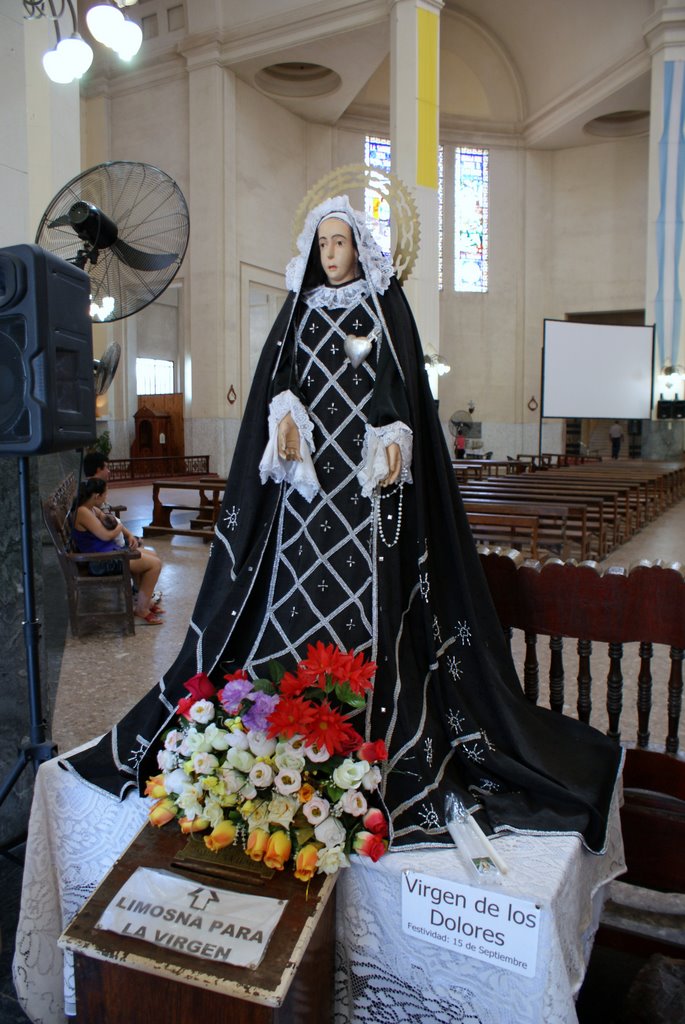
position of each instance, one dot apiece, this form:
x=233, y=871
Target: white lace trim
x=300, y=475
x=374, y=462
x=377, y=266
x=342, y=297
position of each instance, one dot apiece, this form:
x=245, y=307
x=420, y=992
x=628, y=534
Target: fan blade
x=60, y=222
x=140, y=260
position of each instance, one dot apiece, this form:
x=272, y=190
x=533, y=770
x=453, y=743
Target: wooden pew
x=209, y=492
x=645, y=907
x=512, y=528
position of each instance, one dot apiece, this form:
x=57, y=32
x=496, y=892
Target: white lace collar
x=340, y=297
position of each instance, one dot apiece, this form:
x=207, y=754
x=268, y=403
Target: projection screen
x=596, y=371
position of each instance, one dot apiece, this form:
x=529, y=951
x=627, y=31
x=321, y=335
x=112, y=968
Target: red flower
x=240, y=674
x=292, y=686
x=369, y=845
x=360, y=673
x=374, y=822
x=373, y=751
x=330, y=730
x=200, y=687
x=290, y=717
x=184, y=706
x=323, y=660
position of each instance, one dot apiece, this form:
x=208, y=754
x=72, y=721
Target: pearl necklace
x=378, y=496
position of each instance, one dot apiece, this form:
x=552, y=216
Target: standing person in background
x=460, y=444
x=615, y=436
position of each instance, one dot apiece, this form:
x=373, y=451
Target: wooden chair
x=93, y=600
x=645, y=910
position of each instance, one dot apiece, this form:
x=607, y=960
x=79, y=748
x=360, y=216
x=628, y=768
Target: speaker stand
x=37, y=748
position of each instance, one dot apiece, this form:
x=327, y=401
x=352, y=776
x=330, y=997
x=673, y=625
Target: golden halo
x=405, y=217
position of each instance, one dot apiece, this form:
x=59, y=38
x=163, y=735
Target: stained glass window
x=470, y=220
x=376, y=208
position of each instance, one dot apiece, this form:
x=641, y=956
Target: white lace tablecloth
x=385, y=976
x=76, y=832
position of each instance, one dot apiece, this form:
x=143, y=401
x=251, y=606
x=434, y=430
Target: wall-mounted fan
x=460, y=421
x=127, y=225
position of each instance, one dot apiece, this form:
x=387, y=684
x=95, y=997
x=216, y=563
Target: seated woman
x=90, y=532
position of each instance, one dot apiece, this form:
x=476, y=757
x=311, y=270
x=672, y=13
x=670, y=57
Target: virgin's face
x=337, y=251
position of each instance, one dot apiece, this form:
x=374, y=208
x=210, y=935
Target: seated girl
x=90, y=532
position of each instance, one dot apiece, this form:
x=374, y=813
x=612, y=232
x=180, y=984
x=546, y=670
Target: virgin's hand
x=289, y=440
x=394, y=457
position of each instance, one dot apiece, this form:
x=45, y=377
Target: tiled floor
x=115, y=670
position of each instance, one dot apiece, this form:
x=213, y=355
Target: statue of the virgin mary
x=342, y=523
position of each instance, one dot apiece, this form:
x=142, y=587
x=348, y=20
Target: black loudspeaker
x=679, y=409
x=47, y=380
x=664, y=409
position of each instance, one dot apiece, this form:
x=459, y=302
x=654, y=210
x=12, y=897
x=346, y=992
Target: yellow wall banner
x=428, y=28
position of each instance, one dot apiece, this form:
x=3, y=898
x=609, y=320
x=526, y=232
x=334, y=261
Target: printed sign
x=175, y=912
x=484, y=924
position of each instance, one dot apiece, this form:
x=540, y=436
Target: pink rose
x=374, y=821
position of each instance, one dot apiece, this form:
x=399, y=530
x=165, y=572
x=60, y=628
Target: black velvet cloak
x=446, y=698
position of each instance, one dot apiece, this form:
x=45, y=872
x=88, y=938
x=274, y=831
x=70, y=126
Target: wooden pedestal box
x=124, y=980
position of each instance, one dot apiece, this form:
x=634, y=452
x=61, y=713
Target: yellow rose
x=209, y=781
x=247, y=808
x=305, y=862
x=162, y=812
x=155, y=787
x=277, y=850
x=305, y=793
x=189, y=825
x=257, y=842
x=223, y=835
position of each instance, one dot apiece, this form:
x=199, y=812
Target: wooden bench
x=209, y=492
x=512, y=528
x=645, y=605
x=93, y=600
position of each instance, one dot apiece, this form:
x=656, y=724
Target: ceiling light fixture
x=72, y=56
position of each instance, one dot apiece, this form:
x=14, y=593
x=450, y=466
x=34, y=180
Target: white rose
x=166, y=760
x=372, y=779
x=316, y=809
x=237, y=739
x=189, y=802
x=350, y=773
x=261, y=774
x=330, y=832
x=259, y=744
x=194, y=742
x=330, y=859
x=204, y=763
x=202, y=712
x=288, y=781
x=315, y=755
x=240, y=759
x=213, y=811
x=248, y=791
x=232, y=780
x=176, y=781
x=174, y=739
x=259, y=817
x=353, y=802
x=215, y=737
x=282, y=809
x=289, y=760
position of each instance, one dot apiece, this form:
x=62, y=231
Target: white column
x=212, y=358
x=414, y=133
x=665, y=276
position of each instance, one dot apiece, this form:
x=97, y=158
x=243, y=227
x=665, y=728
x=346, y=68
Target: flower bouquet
x=275, y=766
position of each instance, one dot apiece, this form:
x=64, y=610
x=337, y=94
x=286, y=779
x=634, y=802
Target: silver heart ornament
x=357, y=349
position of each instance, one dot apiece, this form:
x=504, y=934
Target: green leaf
x=346, y=695
x=264, y=686
x=276, y=670
x=334, y=793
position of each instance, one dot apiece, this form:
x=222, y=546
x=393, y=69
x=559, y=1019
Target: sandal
x=156, y=609
x=148, y=620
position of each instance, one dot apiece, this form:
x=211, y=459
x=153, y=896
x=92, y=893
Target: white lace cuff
x=374, y=461
x=300, y=475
